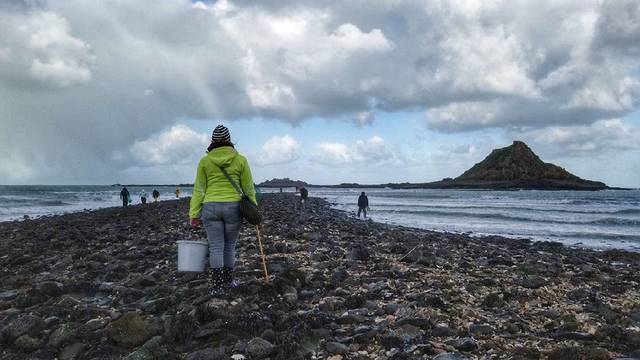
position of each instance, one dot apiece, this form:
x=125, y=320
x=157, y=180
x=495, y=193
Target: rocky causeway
x=104, y=285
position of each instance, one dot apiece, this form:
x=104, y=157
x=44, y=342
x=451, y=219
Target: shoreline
x=341, y=287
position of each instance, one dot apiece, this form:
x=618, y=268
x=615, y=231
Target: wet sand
x=103, y=284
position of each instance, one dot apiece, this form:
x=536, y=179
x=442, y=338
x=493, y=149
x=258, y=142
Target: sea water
x=599, y=219
x=596, y=219
x=36, y=201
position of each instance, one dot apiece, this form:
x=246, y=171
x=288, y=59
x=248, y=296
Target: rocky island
x=282, y=183
x=103, y=285
x=517, y=167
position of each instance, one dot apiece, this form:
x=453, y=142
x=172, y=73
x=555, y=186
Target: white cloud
x=372, y=151
x=40, y=46
x=599, y=137
x=178, y=145
x=73, y=67
x=278, y=150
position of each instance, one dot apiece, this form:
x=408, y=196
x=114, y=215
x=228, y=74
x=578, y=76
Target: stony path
x=102, y=284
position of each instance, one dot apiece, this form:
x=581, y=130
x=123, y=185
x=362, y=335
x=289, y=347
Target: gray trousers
x=222, y=221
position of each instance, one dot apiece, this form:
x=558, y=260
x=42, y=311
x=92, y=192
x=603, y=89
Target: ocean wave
x=627, y=211
x=391, y=206
x=615, y=221
x=493, y=216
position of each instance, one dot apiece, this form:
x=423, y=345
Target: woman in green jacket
x=216, y=203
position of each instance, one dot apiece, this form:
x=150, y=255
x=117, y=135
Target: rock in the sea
x=130, y=330
x=259, y=348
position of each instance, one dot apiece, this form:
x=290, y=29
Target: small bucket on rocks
x=192, y=255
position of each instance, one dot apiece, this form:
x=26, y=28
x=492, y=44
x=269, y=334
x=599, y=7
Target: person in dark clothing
x=363, y=204
x=156, y=195
x=304, y=194
x=124, y=195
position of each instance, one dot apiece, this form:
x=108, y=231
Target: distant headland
x=513, y=167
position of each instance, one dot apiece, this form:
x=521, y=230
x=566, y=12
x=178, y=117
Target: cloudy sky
x=98, y=92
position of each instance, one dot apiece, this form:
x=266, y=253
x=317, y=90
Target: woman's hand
x=195, y=223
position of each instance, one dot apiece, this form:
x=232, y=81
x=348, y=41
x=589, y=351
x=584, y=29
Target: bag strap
x=235, y=186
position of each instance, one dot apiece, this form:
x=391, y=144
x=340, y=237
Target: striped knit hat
x=221, y=135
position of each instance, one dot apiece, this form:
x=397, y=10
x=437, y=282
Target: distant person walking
x=363, y=204
x=156, y=195
x=304, y=194
x=216, y=203
x=177, y=192
x=124, y=195
x=143, y=196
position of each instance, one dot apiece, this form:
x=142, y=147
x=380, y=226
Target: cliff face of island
x=517, y=166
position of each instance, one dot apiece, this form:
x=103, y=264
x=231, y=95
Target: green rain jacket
x=212, y=186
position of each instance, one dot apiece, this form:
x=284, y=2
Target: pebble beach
x=104, y=284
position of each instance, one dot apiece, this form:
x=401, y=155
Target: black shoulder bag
x=248, y=209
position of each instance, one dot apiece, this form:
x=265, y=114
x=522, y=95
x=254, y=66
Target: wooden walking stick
x=264, y=259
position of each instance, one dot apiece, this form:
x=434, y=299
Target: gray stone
x=130, y=330
x=336, y=348
x=51, y=288
x=259, y=348
x=151, y=350
x=25, y=324
x=72, y=352
x=442, y=330
x=27, y=344
x=404, y=335
x=63, y=335
x=481, y=329
x=219, y=353
x=8, y=295
x=290, y=295
x=449, y=356
x=533, y=282
x=95, y=324
x=464, y=344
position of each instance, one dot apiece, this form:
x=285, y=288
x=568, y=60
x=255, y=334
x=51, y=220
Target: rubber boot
x=216, y=282
x=228, y=278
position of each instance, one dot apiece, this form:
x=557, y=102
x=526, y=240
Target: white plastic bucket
x=192, y=255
